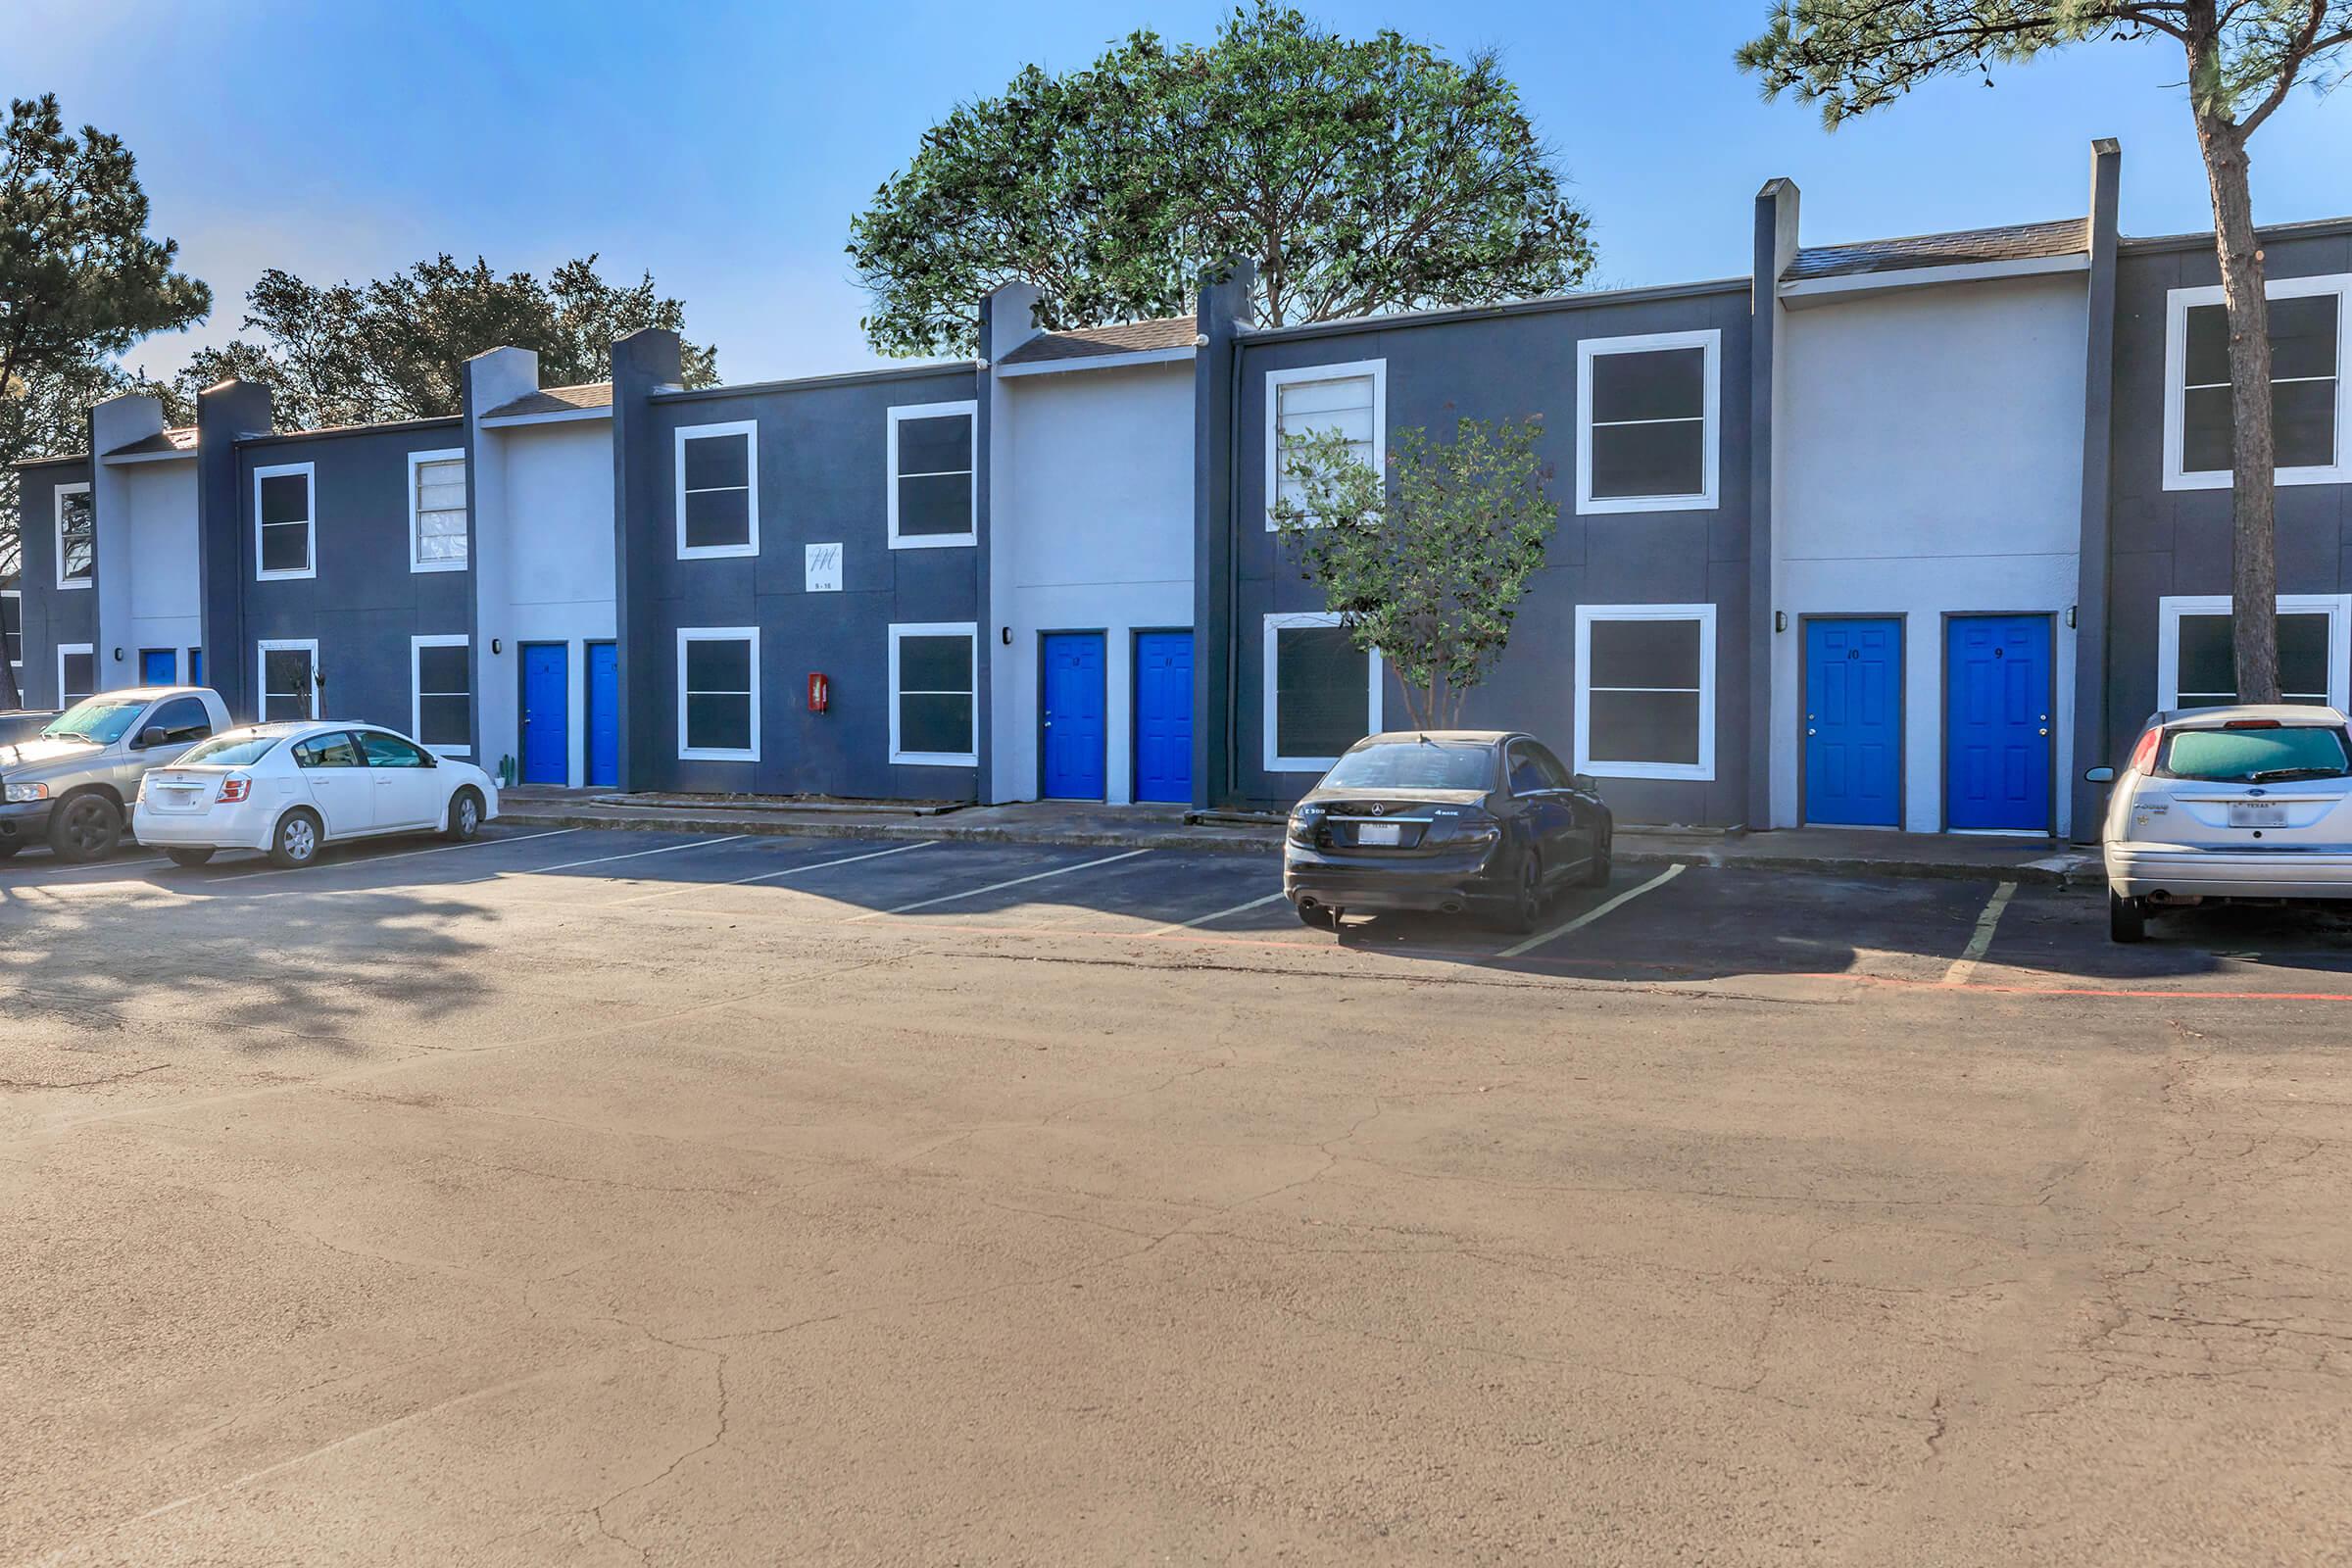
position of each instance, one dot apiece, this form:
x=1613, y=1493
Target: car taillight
x=234, y=788
x=2143, y=755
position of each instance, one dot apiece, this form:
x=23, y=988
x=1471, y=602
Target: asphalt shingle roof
x=1961, y=248
x=1098, y=342
x=163, y=441
x=557, y=400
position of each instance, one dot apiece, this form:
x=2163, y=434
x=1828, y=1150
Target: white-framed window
x=12, y=629
x=2196, y=663
x=437, y=511
x=1645, y=691
x=76, y=672
x=719, y=694
x=441, y=693
x=718, y=470
x=933, y=501
x=284, y=522
x=934, y=676
x=1351, y=398
x=77, y=535
x=1322, y=692
x=1648, y=421
x=2311, y=420
x=289, y=680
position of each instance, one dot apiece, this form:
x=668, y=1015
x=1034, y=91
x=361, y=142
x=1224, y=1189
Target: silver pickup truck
x=70, y=786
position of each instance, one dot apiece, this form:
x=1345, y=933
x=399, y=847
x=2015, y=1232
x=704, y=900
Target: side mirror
x=2099, y=775
x=154, y=735
x=1587, y=783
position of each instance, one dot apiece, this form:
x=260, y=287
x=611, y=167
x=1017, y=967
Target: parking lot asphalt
x=586, y=1198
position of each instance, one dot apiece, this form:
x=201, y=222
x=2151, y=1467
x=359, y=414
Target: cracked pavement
x=437, y=1209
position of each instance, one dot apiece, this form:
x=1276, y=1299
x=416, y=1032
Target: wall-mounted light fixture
x=2069, y=615
x=495, y=646
x=118, y=655
x=1779, y=621
x=1008, y=636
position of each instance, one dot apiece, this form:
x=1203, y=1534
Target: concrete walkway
x=1846, y=851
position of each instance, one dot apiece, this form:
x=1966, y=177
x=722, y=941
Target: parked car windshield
x=103, y=720
x=1414, y=766
x=2255, y=756
x=232, y=749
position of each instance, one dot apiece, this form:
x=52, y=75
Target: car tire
x=2127, y=919
x=1604, y=864
x=1321, y=916
x=464, y=821
x=1524, y=905
x=84, y=827
x=297, y=841
x=189, y=859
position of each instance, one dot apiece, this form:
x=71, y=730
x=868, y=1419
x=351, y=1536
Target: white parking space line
x=1591, y=914
x=404, y=855
x=768, y=876
x=1216, y=914
x=103, y=865
x=993, y=886
x=1980, y=940
x=633, y=854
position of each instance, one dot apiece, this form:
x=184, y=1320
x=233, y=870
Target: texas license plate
x=2256, y=813
x=1380, y=833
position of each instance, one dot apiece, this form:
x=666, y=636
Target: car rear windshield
x=2255, y=756
x=1415, y=765
x=232, y=749
x=103, y=720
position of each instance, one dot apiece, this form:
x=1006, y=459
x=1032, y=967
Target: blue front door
x=604, y=714
x=1854, y=721
x=1072, y=723
x=1998, y=716
x=159, y=667
x=1163, y=715
x=546, y=713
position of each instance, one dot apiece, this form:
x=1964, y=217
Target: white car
x=292, y=788
x=2229, y=802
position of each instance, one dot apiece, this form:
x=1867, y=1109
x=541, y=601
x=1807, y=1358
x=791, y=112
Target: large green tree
x=80, y=280
x=2243, y=57
x=1358, y=174
x=396, y=348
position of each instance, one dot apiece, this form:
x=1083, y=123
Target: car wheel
x=464, y=815
x=84, y=827
x=296, y=842
x=1603, y=865
x=1525, y=905
x=2127, y=919
x=189, y=859
x=1321, y=916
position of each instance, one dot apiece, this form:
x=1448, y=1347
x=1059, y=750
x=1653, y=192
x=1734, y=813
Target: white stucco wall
x=165, y=598
x=542, y=520
x=1091, y=518
x=1927, y=463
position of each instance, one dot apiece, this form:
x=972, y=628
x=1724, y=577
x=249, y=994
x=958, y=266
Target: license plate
x=2256, y=813
x=1380, y=833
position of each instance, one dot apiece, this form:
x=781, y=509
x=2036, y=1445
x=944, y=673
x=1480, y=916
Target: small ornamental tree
x=1427, y=570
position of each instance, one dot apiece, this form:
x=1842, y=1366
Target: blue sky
x=725, y=146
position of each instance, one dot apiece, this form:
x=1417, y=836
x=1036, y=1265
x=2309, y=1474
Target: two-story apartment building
x=1892, y=533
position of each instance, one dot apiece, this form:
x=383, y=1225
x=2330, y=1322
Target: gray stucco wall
x=52, y=616
x=2168, y=542
x=1511, y=365
x=366, y=602
x=822, y=479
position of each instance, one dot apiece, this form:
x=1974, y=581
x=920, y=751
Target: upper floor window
x=718, y=489
x=1350, y=399
x=283, y=517
x=1648, y=411
x=2311, y=427
x=437, y=511
x=77, y=535
x=932, y=499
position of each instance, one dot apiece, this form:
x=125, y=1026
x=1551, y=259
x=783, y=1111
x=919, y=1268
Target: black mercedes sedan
x=1445, y=820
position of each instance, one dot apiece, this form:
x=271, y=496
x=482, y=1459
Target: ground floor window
x=289, y=681
x=12, y=628
x=1322, y=692
x=1645, y=691
x=76, y=672
x=2196, y=666
x=719, y=694
x=934, y=676
x=442, y=687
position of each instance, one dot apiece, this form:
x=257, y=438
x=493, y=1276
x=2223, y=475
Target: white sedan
x=292, y=788
x=2229, y=802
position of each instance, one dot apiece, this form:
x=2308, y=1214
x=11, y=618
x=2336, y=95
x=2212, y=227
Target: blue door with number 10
x=1854, y=721
x=1070, y=725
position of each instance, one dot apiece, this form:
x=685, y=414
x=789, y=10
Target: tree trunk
x=2253, y=552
